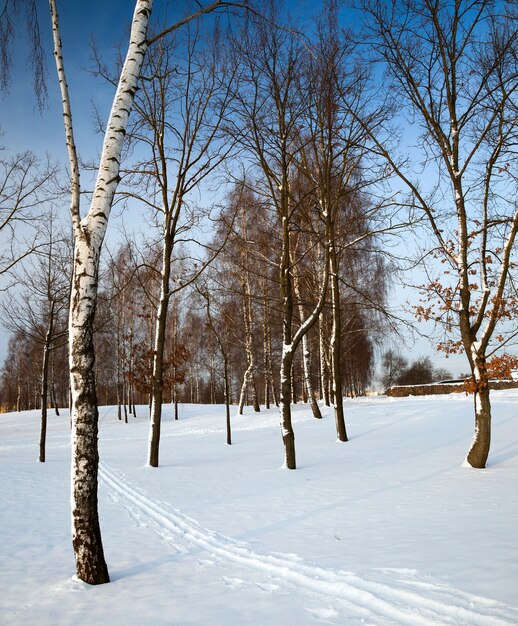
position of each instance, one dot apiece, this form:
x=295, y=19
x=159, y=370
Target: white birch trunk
x=306, y=357
x=88, y=238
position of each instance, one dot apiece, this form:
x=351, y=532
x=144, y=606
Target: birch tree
x=270, y=109
x=89, y=232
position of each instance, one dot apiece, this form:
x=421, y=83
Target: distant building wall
x=439, y=388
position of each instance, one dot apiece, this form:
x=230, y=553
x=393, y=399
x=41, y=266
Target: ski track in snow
x=415, y=602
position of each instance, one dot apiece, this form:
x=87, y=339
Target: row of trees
x=233, y=314
x=396, y=370
x=310, y=142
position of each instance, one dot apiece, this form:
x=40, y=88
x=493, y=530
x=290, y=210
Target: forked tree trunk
x=89, y=234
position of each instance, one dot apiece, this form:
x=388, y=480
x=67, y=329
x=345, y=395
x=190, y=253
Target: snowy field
x=387, y=529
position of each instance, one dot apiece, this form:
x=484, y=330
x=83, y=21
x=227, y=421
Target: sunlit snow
x=387, y=529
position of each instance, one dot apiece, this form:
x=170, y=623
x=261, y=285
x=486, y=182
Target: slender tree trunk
x=53, y=397
x=158, y=361
x=335, y=347
x=197, y=388
x=288, y=435
x=18, y=386
x=249, y=376
x=324, y=370
x=44, y=384
x=303, y=386
x=212, y=380
x=266, y=368
x=293, y=385
x=268, y=360
x=118, y=373
x=227, y=401
x=306, y=359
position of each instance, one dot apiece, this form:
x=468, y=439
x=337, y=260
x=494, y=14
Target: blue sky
x=81, y=22
x=25, y=127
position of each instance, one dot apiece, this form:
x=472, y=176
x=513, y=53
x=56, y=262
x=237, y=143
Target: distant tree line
x=396, y=370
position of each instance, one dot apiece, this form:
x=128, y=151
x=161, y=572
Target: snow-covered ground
x=387, y=529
